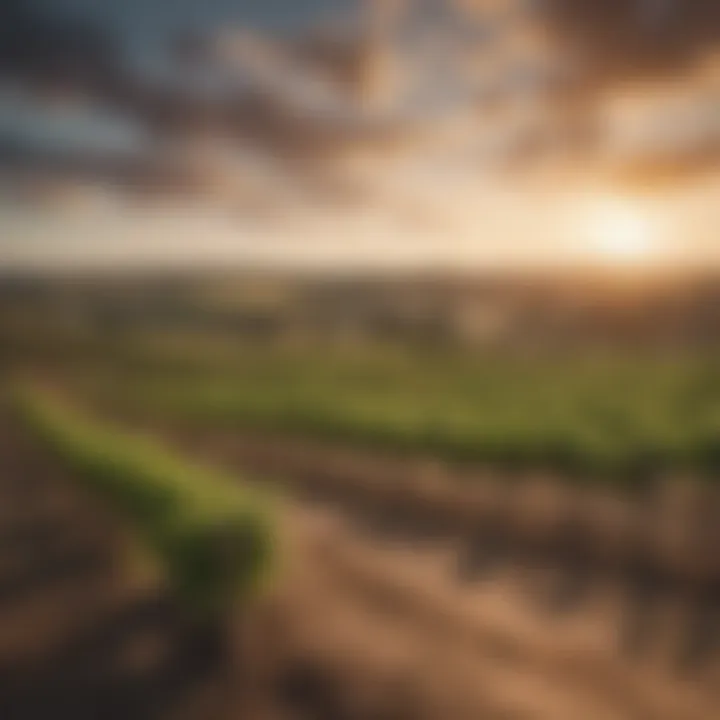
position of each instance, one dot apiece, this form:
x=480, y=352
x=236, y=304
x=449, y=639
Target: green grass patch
x=212, y=538
x=608, y=418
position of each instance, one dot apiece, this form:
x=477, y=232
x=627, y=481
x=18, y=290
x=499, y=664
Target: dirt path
x=573, y=546
x=393, y=619
x=401, y=607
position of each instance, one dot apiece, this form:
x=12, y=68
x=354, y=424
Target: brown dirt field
x=501, y=616
x=360, y=626
x=661, y=555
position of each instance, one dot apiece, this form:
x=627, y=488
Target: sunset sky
x=492, y=227
x=439, y=197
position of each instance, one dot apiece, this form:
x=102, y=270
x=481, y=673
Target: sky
x=436, y=201
x=491, y=227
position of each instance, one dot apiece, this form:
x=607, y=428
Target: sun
x=623, y=234
x=618, y=231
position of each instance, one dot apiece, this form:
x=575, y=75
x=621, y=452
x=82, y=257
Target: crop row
x=211, y=538
x=609, y=418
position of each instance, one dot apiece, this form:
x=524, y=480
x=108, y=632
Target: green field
x=211, y=538
x=611, y=417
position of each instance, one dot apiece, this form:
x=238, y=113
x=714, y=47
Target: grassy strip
x=608, y=419
x=211, y=538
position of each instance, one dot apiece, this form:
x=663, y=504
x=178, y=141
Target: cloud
x=620, y=39
x=53, y=48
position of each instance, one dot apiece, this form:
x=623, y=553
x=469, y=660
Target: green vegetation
x=211, y=538
x=620, y=418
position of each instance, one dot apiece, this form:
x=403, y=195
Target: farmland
x=380, y=529
x=352, y=625
x=618, y=418
x=619, y=391
x=211, y=540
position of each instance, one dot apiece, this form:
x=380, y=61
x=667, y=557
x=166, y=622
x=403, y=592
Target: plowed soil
x=364, y=622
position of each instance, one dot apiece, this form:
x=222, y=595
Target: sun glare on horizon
x=619, y=232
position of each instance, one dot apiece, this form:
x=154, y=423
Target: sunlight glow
x=618, y=231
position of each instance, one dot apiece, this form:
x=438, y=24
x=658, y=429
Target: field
x=354, y=627
x=198, y=525
x=211, y=539
x=616, y=418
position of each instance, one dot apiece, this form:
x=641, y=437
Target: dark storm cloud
x=618, y=39
x=86, y=45
x=42, y=45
